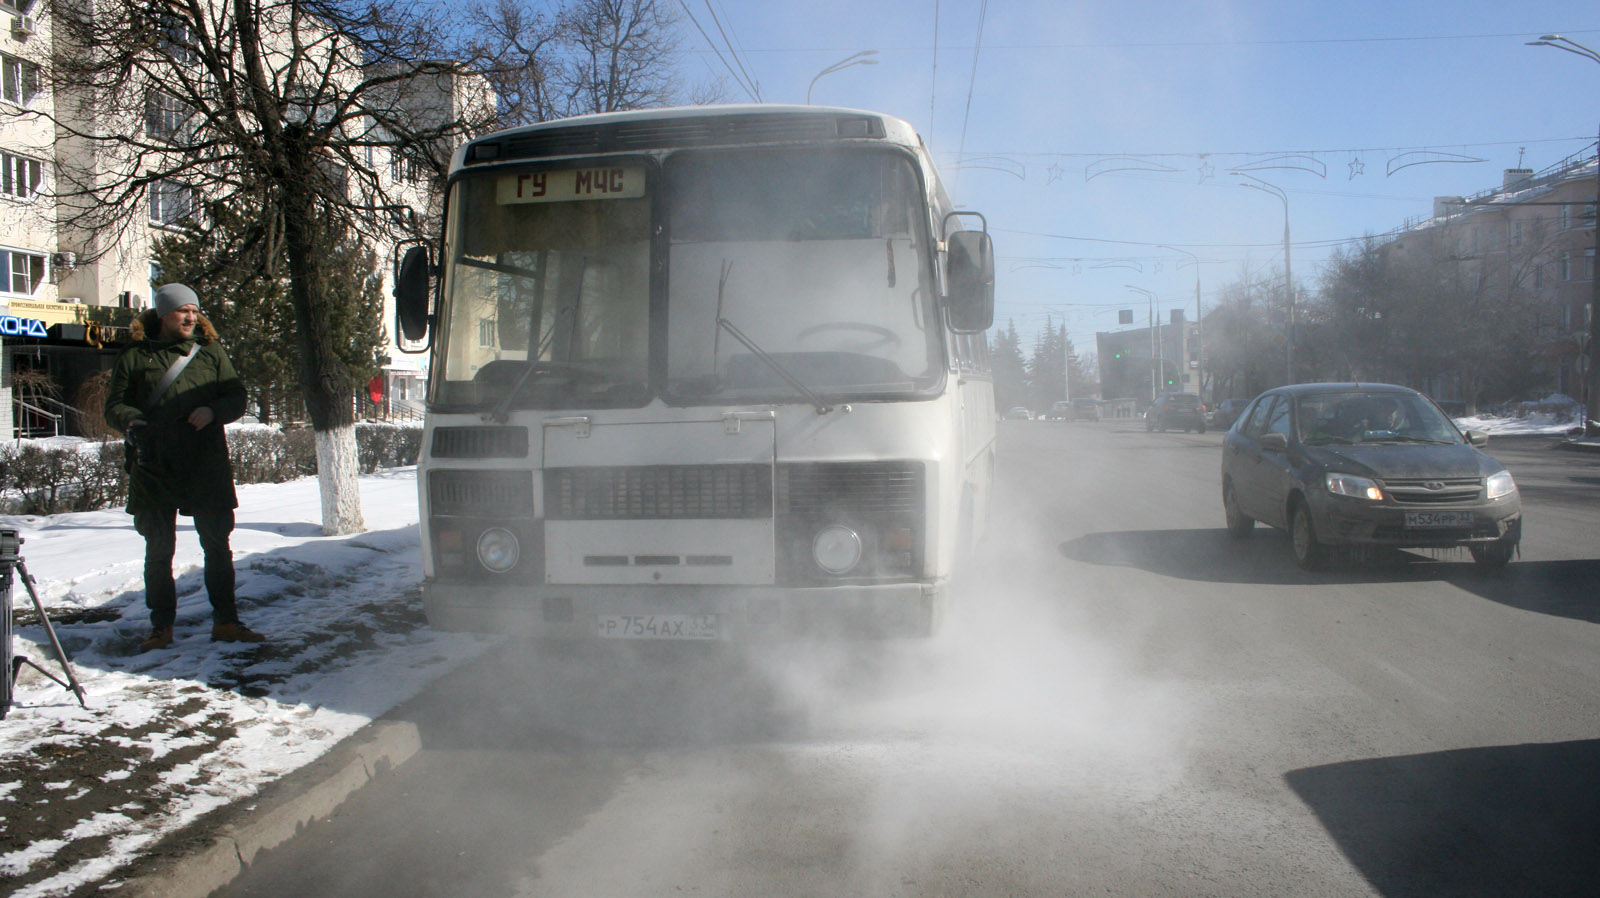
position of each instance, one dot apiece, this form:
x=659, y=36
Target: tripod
x=10, y=561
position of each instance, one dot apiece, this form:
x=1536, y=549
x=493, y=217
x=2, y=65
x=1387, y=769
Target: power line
x=749, y=89
x=1112, y=45
x=933, y=87
x=734, y=51
x=983, y=12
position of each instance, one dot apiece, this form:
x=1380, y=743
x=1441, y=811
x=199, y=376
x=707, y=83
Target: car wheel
x=1308, y=552
x=1149, y=425
x=1239, y=526
x=1494, y=555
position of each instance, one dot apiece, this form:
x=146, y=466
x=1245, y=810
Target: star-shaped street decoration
x=1206, y=171
x=1356, y=167
x=1054, y=173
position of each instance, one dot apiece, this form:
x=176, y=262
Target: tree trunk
x=327, y=382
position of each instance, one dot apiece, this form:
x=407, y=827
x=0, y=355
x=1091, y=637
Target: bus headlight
x=498, y=549
x=836, y=549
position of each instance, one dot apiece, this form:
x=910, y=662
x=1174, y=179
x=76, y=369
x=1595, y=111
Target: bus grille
x=480, y=442
x=729, y=130
x=893, y=487
x=480, y=493
x=649, y=492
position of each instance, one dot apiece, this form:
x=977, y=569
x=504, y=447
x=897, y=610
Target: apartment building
x=1533, y=236
x=71, y=292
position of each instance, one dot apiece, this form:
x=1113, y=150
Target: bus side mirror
x=969, y=271
x=411, y=282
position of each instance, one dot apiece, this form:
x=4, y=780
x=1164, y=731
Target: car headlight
x=1354, y=487
x=836, y=549
x=1501, y=484
x=498, y=549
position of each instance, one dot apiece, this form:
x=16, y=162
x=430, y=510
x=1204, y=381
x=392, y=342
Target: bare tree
x=296, y=108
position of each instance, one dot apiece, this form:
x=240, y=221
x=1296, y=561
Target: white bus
x=703, y=373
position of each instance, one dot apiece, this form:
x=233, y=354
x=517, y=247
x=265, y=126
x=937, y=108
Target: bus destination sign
x=566, y=185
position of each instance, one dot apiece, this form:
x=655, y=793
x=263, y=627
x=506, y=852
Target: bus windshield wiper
x=758, y=352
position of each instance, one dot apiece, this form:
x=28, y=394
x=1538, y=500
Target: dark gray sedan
x=1366, y=465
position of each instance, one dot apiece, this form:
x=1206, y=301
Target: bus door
x=680, y=502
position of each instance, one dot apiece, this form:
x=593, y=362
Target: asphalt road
x=1125, y=702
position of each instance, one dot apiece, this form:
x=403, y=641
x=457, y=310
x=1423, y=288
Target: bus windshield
x=820, y=261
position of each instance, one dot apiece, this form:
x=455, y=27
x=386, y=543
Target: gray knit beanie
x=174, y=296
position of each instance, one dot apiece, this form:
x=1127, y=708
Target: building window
x=486, y=333
x=177, y=37
x=1588, y=264
x=1565, y=263
x=172, y=202
x=20, y=176
x=27, y=270
x=1516, y=233
x=166, y=116
x=19, y=80
x=406, y=168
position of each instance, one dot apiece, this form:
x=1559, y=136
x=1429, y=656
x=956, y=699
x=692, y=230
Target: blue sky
x=1381, y=106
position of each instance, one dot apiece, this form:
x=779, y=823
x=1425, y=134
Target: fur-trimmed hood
x=148, y=325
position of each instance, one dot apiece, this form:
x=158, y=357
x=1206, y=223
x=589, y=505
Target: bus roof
x=683, y=126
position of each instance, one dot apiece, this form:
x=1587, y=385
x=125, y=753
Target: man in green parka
x=172, y=390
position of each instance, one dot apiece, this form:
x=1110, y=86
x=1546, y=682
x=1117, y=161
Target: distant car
x=1176, y=410
x=1226, y=412
x=1060, y=410
x=1018, y=413
x=1366, y=465
x=1081, y=409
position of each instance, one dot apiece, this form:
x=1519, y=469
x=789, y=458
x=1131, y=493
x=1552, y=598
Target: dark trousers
x=160, y=532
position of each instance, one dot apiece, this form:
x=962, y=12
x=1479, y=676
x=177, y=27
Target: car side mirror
x=1475, y=438
x=1275, y=442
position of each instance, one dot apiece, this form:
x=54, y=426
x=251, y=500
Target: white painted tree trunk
x=338, y=470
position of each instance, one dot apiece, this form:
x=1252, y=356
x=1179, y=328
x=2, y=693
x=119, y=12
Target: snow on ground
x=170, y=735
x=184, y=730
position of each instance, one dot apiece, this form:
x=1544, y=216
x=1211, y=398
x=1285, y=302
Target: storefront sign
x=12, y=326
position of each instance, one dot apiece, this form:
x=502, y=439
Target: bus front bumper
x=688, y=612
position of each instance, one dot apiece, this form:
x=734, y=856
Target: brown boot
x=159, y=638
x=235, y=632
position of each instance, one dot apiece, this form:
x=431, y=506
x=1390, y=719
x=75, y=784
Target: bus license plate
x=658, y=626
x=1427, y=519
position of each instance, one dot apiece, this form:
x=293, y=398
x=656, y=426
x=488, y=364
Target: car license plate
x=658, y=626
x=1427, y=519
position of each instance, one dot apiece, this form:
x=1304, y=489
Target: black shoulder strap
x=171, y=376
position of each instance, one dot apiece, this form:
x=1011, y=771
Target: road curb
x=197, y=865
x=1579, y=445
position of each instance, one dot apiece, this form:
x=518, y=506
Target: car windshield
x=1347, y=418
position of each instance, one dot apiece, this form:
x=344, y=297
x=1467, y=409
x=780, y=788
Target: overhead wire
x=977, y=47
x=933, y=86
x=733, y=51
x=749, y=89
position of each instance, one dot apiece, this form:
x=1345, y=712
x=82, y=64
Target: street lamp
x=1199, y=326
x=1288, y=273
x=845, y=63
x=1590, y=371
x=1155, y=370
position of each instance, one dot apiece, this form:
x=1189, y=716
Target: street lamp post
x=1288, y=272
x=1591, y=371
x=1155, y=371
x=1199, y=326
x=860, y=58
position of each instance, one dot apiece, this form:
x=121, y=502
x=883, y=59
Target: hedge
x=38, y=479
